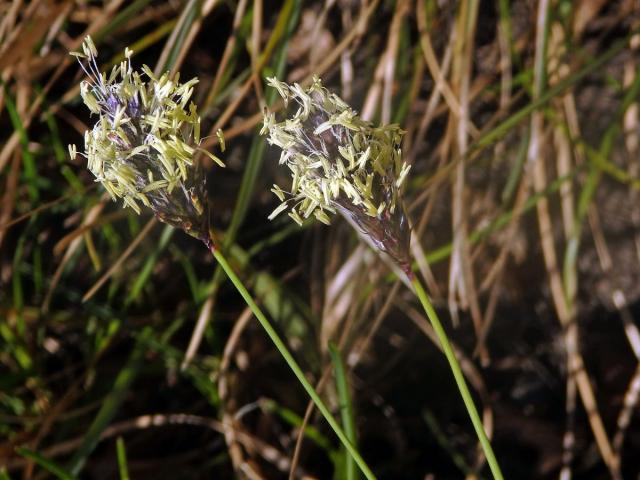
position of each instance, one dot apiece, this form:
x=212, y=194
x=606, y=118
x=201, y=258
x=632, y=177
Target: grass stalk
x=346, y=407
x=288, y=358
x=458, y=376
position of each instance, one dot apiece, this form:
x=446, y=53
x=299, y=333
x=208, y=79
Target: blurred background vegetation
x=125, y=352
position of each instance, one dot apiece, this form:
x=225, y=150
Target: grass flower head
x=340, y=164
x=141, y=148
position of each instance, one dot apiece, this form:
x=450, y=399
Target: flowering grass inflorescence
x=141, y=148
x=341, y=163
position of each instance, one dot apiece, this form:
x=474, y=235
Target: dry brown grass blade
x=50, y=417
x=423, y=266
x=84, y=228
x=563, y=147
x=231, y=413
x=632, y=393
x=205, y=9
x=9, y=19
x=295, y=459
x=340, y=292
x=493, y=277
x=558, y=70
x=14, y=140
x=73, y=246
x=566, y=314
x=268, y=452
x=632, y=333
x=35, y=211
x=198, y=332
x=385, y=70
x=360, y=348
x=462, y=289
x=121, y=259
x=228, y=424
x=256, y=35
x=319, y=28
x=228, y=51
x=495, y=273
x=439, y=73
x=630, y=403
x=411, y=122
x=584, y=12
x=346, y=61
x=26, y=35
x=234, y=435
x=326, y=373
x=8, y=199
x=339, y=297
x=329, y=61
x=247, y=124
x=228, y=112
x=569, y=439
x=320, y=69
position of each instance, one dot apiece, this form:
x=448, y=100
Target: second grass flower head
x=340, y=163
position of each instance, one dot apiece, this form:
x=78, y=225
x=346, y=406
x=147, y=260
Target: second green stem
x=459, y=378
x=284, y=351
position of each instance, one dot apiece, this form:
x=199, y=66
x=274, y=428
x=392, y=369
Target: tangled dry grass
x=122, y=347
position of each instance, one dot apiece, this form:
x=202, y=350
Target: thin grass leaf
x=175, y=42
x=507, y=125
x=144, y=274
x=111, y=403
x=121, y=19
x=443, y=252
x=285, y=26
x=346, y=410
x=50, y=466
x=295, y=420
x=28, y=160
x=121, y=452
x=441, y=437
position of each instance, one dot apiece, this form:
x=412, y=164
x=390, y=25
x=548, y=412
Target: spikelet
x=340, y=164
x=142, y=144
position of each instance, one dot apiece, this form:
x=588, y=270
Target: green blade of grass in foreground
x=122, y=459
x=291, y=362
x=459, y=378
x=51, y=467
x=346, y=409
x=294, y=420
x=111, y=403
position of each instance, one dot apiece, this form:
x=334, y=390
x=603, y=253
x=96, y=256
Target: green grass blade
x=507, y=125
x=175, y=42
x=287, y=21
x=145, y=273
x=443, y=252
x=346, y=409
x=122, y=459
x=120, y=19
x=111, y=403
x=28, y=161
x=458, y=377
x=441, y=437
x=51, y=467
x=296, y=421
x=291, y=362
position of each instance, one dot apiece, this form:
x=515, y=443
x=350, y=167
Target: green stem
x=459, y=377
x=284, y=351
